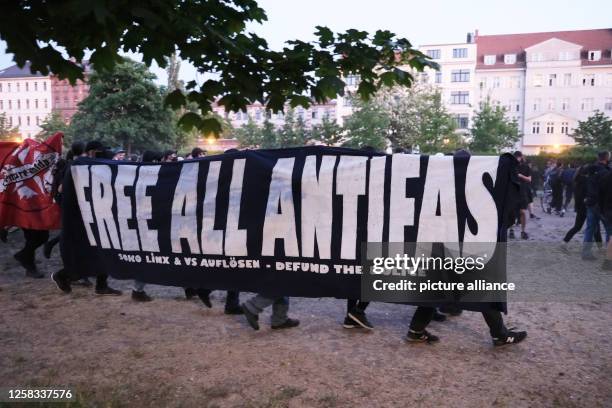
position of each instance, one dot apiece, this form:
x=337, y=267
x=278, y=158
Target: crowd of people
x=589, y=186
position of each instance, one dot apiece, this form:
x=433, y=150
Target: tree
x=51, y=125
x=214, y=37
x=7, y=132
x=491, y=132
x=437, y=126
x=327, y=132
x=596, y=131
x=249, y=135
x=367, y=126
x=124, y=107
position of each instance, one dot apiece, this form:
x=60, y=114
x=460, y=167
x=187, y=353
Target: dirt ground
x=175, y=352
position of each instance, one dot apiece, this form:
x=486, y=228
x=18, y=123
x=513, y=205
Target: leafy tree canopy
x=124, y=108
x=212, y=36
x=491, y=131
x=596, y=131
x=7, y=132
x=51, y=125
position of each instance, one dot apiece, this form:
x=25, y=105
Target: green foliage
x=124, y=108
x=250, y=135
x=595, y=132
x=51, y=125
x=7, y=132
x=577, y=154
x=327, y=132
x=491, y=131
x=213, y=36
x=367, y=126
x=293, y=133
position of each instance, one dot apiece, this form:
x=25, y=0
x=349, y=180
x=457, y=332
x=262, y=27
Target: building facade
x=547, y=81
x=27, y=99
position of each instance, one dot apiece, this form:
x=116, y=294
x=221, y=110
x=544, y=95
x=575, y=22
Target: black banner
x=279, y=222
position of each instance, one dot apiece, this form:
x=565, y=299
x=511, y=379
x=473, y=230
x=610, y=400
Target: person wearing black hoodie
x=593, y=201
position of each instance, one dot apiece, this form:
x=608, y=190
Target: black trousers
x=232, y=300
x=423, y=315
x=557, y=197
x=33, y=240
x=357, y=305
x=578, y=223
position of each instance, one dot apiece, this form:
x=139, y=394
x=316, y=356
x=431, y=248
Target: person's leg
x=578, y=223
x=204, y=295
x=48, y=247
x=420, y=320
x=280, y=307
x=499, y=333
x=253, y=307
x=27, y=256
x=355, y=315
x=232, y=302
x=591, y=222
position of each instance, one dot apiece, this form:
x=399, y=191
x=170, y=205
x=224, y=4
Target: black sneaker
x=350, y=324
x=511, y=234
x=512, y=337
x=524, y=235
x=288, y=324
x=361, y=319
x=421, y=337
x=140, y=296
x=204, y=297
x=439, y=317
x=235, y=310
x=62, y=283
x=47, y=248
x=252, y=318
x=190, y=293
x=25, y=263
x=107, y=291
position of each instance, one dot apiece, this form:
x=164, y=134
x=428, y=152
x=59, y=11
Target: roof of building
x=15, y=72
x=599, y=39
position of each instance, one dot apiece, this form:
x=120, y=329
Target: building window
x=1, y=104
x=460, y=52
x=433, y=54
x=594, y=55
x=438, y=77
x=36, y=103
x=44, y=86
x=514, y=105
x=588, y=80
x=27, y=103
x=0, y=87
x=608, y=104
x=10, y=121
x=537, y=57
x=496, y=82
x=462, y=121
x=510, y=59
x=535, y=128
x=353, y=80
x=567, y=79
x=564, y=128
x=552, y=79
x=424, y=78
x=9, y=86
x=587, y=104
x=36, y=86
x=537, y=80
x=10, y=103
x=460, y=98
x=550, y=128
x=18, y=103
x=551, y=104
x=536, y=104
x=27, y=87
x=515, y=82
x=19, y=120
x=17, y=85
x=46, y=104
x=37, y=121
x=28, y=120
x=565, y=104
x=490, y=59
x=314, y=114
x=460, y=75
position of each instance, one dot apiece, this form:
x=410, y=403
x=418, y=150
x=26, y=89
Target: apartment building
x=455, y=78
x=28, y=98
x=546, y=81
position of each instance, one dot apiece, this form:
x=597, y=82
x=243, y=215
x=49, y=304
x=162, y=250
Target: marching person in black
x=524, y=175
